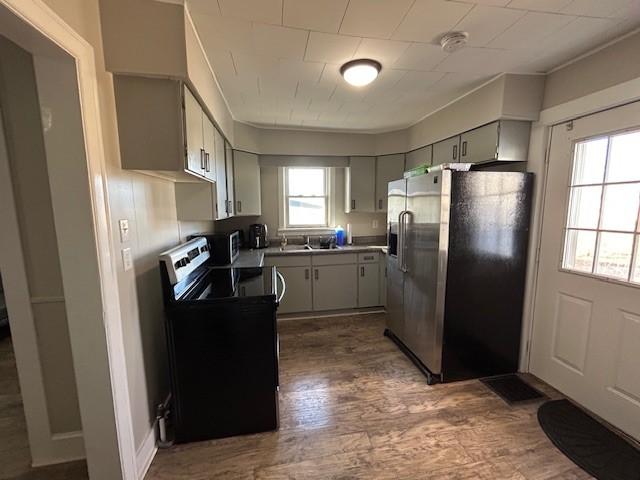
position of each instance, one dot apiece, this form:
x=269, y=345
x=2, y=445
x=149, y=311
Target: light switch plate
x=127, y=259
x=124, y=230
x=374, y=224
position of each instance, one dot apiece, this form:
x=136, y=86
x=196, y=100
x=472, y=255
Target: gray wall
x=30, y=179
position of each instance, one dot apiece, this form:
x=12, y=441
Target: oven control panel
x=184, y=259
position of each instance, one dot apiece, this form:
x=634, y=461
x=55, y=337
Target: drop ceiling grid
x=278, y=61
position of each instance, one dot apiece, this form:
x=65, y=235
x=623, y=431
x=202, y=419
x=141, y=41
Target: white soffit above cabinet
x=277, y=61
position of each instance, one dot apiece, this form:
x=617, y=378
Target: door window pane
x=620, y=207
x=614, y=255
x=584, y=209
x=624, y=161
x=306, y=182
x=579, y=250
x=589, y=161
x=307, y=211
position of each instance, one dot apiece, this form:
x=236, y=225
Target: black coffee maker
x=258, y=236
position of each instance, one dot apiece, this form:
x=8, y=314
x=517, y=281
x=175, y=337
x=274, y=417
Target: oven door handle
x=284, y=286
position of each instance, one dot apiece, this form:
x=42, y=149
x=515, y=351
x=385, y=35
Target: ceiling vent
x=452, y=41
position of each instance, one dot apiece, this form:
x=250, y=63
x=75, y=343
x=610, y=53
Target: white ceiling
x=277, y=61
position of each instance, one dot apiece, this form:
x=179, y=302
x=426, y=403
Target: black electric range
x=223, y=344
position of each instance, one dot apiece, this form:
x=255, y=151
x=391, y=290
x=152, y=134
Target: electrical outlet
x=374, y=224
x=124, y=230
x=127, y=259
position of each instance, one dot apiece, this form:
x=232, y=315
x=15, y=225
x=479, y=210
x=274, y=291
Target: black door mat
x=588, y=443
x=512, y=389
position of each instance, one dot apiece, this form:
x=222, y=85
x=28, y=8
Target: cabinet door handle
x=353, y=204
x=206, y=162
x=464, y=148
x=362, y=271
x=315, y=274
x=455, y=152
x=239, y=206
x=202, y=158
x=379, y=204
x=306, y=274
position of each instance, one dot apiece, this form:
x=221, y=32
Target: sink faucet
x=307, y=241
x=283, y=242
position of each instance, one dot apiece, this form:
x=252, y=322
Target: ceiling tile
x=483, y=23
x=218, y=32
x=578, y=37
x=279, y=42
x=540, y=5
x=265, y=11
x=248, y=64
x=387, y=52
x=428, y=20
x=595, y=8
x=420, y=56
x=480, y=61
x=331, y=48
x=493, y=3
x=418, y=81
x=323, y=16
x=374, y=18
x=531, y=28
x=302, y=71
x=208, y=7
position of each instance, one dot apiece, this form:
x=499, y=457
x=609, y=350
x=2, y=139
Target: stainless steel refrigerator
x=456, y=264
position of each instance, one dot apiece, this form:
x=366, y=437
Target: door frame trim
x=91, y=287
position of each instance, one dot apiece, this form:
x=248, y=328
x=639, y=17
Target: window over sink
x=602, y=234
x=306, y=197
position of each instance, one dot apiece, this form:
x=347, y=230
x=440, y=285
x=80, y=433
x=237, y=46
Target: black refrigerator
x=456, y=265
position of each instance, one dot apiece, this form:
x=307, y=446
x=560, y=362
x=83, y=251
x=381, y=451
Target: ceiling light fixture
x=360, y=72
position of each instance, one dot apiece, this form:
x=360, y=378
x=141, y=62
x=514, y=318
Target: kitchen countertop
x=300, y=250
x=247, y=259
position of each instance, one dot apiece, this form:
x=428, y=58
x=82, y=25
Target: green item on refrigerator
x=419, y=170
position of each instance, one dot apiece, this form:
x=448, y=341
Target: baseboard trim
x=146, y=453
x=328, y=314
x=64, y=447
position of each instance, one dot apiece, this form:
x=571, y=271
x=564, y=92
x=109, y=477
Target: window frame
x=285, y=225
x=635, y=245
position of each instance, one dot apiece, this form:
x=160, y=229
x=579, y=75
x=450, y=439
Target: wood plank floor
x=15, y=458
x=353, y=407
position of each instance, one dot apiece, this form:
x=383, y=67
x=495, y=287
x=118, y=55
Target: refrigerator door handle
x=402, y=234
x=403, y=264
x=400, y=246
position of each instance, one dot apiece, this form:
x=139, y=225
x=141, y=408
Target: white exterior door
x=586, y=336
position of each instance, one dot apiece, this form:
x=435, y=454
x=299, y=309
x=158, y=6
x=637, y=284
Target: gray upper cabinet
x=228, y=156
x=163, y=129
x=360, y=185
x=420, y=156
x=246, y=170
x=388, y=168
x=480, y=144
x=194, y=133
x=208, y=134
x=447, y=151
x=501, y=141
x=221, y=177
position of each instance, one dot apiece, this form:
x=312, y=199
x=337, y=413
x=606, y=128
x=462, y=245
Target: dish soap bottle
x=339, y=236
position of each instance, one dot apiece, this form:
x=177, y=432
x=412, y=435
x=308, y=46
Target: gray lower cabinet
x=297, y=297
x=383, y=279
x=335, y=287
x=369, y=285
